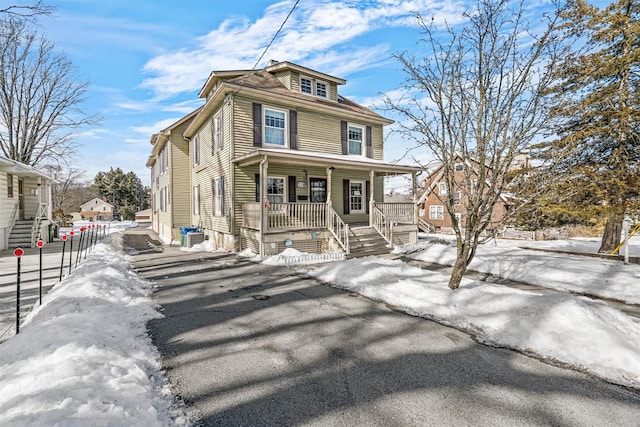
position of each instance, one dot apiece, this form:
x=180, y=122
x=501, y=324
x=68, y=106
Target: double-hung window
x=196, y=199
x=218, y=196
x=356, y=134
x=306, y=85
x=276, y=189
x=196, y=150
x=436, y=212
x=442, y=188
x=218, y=137
x=275, y=125
x=9, y=185
x=356, y=197
x=321, y=89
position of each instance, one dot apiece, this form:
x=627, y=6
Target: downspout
x=264, y=165
x=232, y=172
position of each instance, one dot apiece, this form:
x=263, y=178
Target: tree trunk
x=612, y=230
x=459, y=267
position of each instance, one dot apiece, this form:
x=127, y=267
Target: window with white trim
x=196, y=199
x=458, y=216
x=275, y=125
x=306, y=85
x=459, y=167
x=457, y=197
x=9, y=185
x=442, y=188
x=218, y=136
x=321, y=89
x=276, y=189
x=356, y=197
x=436, y=212
x=356, y=137
x=218, y=196
x=196, y=150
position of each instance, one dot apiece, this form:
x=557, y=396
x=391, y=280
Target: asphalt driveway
x=255, y=345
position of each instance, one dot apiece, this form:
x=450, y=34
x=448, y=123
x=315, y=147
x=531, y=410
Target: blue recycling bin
x=183, y=233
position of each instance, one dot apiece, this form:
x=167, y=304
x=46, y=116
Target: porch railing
x=35, y=228
x=286, y=216
x=296, y=216
x=339, y=229
x=400, y=213
x=383, y=225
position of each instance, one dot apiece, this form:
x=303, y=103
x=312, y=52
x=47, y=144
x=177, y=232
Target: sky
x=147, y=59
x=84, y=355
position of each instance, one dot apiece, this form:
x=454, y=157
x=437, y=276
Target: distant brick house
x=432, y=205
x=96, y=209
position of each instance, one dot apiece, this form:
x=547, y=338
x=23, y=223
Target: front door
x=318, y=190
x=20, y=198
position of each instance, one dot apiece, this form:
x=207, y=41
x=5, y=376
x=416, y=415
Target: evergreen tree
x=596, y=111
x=123, y=190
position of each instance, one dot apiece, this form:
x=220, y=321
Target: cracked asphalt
x=246, y=344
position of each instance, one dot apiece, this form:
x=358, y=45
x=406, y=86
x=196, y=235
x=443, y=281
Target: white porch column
x=414, y=191
x=371, y=199
x=329, y=198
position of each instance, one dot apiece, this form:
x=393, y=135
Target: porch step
x=365, y=241
x=21, y=234
x=425, y=226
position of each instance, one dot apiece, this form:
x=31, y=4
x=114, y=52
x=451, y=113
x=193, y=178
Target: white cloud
x=152, y=128
x=319, y=33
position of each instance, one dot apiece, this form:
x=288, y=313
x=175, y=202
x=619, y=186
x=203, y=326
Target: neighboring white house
x=25, y=204
x=96, y=209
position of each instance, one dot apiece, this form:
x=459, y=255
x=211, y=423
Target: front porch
x=270, y=228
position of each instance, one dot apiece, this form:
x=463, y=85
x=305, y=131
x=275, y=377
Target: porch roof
x=19, y=169
x=309, y=158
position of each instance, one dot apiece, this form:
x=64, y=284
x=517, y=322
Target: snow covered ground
x=84, y=357
x=584, y=333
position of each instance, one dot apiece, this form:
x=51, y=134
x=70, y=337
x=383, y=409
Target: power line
x=264, y=52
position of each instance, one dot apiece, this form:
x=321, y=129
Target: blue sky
x=147, y=59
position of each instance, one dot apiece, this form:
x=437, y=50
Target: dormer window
x=321, y=89
x=306, y=85
x=314, y=87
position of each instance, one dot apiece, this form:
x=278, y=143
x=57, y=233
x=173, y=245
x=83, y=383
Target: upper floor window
x=442, y=188
x=314, y=87
x=356, y=134
x=321, y=89
x=306, y=85
x=218, y=137
x=275, y=125
x=459, y=167
x=9, y=185
x=196, y=150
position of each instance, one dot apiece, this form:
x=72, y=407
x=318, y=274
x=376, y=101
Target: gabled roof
x=262, y=83
x=158, y=140
x=102, y=202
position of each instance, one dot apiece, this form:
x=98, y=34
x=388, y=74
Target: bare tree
x=40, y=97
x=475, y=99
x=70, y=187
x=26, y=12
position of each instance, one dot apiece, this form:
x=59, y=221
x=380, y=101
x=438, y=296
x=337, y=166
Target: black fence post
x=71, y=233
x=64, y=243
x=18, y=252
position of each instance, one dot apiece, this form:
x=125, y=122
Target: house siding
x=7, y=204
x=180, y=182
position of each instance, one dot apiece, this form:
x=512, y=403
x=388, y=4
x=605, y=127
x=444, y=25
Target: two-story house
x=433, y=210
x=171, y=180
x=278, y=158
x=25, y=204
x=96, y=209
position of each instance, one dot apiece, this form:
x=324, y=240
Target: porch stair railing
x=426, y=226
x=37, y=222
x=383, y=225
x=339, y=229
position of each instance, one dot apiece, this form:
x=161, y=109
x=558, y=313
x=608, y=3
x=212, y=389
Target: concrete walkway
x=249, y=344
